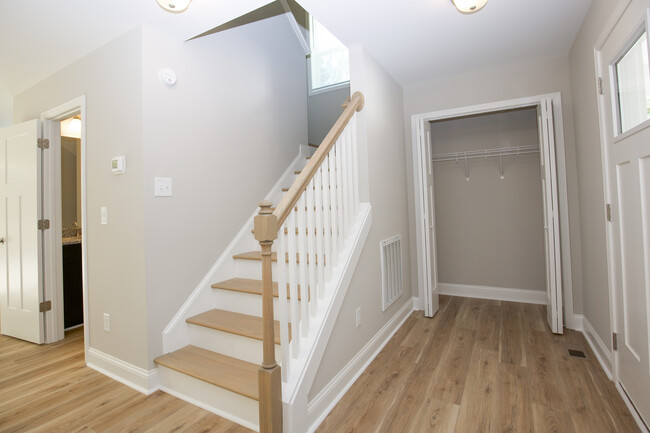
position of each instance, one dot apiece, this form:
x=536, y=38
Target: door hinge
x=601, y=89
x=43, y=224
x=614, y=341
x=45, y=306
x=43, y=143
x=608, y=208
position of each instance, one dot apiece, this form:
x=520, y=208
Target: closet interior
x=489, y=214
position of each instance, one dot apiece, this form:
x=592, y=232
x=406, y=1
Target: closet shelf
x=486, y=153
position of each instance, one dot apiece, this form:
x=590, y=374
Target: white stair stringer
x=302, y=370
x=227, y=404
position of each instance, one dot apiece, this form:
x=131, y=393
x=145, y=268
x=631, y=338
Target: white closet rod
x=487, y=153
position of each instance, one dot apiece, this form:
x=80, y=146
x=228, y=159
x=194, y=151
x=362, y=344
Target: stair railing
x=312, y=221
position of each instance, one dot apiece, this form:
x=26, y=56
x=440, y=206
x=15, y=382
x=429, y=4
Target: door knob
x=2, y=241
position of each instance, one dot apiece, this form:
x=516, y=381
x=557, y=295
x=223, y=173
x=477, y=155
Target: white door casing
x=21, y=282
x=552, y=252
x=627, y=172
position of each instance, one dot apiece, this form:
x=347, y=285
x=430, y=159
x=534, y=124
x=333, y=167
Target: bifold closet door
x=431, y=302
x=551, y=216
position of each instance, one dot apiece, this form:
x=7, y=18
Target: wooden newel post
x=269, y=379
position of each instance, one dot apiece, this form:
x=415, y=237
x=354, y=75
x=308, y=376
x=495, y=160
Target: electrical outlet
x=107, y=322
x=162, y=187
x=358, y=317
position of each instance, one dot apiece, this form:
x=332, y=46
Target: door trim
x=52, y=206
x=600, y=66
x=571, y=320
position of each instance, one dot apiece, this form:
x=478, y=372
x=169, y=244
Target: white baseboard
x=600, y=349
x=323, y=403
x=418, y=305
x=496, y=293
x=575, y=322
x=626, y=399
x=144, y=381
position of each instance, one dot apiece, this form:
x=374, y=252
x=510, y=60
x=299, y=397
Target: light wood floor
x=480, y=367
x=477, y=367
x=48, y=389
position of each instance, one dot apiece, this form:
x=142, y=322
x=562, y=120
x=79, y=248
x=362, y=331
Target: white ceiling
x=415, y=40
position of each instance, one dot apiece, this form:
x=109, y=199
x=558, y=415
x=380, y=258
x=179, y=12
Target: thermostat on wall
x=118, y=164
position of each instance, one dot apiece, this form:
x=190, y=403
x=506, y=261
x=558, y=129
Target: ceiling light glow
x=469, y=6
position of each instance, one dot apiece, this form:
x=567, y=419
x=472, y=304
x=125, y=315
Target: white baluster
x=282, y=303
x=355, y=163
x=344, y=181
x=302, y=260
x=327, y=218
x=339, y=193
x=311, y=248
x=320, y=251
x=334, y=187
x=293, y=283
x=349, y=207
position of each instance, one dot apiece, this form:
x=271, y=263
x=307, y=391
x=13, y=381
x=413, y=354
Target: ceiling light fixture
x=174, y=6
x=469, y=6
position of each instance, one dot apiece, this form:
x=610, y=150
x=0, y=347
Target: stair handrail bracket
x=312, y=225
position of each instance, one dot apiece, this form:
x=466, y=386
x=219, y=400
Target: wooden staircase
x=229, y=364
x=231, y=373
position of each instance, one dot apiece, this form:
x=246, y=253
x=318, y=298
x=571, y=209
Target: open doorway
x=544, y=117
x=71, y=235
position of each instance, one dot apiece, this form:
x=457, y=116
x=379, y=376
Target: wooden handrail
x=267, y=224
x=292, y=196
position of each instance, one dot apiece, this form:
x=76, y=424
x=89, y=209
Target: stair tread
x=224, y=371
x=234, y=323
x=257, y=255
x=247, y=285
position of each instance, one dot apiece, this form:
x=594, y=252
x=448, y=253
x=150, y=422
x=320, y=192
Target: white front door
x=431, y=301
x=626, y=128
x=20, y=248
x=551, y=216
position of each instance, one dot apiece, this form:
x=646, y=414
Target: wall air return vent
x=391, y=270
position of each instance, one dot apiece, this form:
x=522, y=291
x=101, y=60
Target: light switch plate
x=104, y=214
x=162, y=187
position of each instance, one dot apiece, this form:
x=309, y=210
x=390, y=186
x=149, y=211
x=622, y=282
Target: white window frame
x=311, y=90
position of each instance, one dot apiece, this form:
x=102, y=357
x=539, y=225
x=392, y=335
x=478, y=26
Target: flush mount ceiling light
x=174, y=6
x=469, y=6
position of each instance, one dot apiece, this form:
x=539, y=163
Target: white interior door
x=626, y=127
x=431, y=301
x=551, y=216
x=20, y=250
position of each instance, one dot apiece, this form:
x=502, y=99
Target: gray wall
x=224, y=134
x=69, y=179
x=489, y=231
x=496, y=84
x=323, y=111
x=111, y=79
x=590, y=170
x=384, y=129
x=6, y=107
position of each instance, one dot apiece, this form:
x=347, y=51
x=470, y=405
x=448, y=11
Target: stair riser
x=235, y=346
x=244, y=303
x=253, y=269
x=227, y=404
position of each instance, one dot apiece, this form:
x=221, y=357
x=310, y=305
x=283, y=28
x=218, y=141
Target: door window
x=633, y=85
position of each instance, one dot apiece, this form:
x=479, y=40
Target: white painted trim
x=496, y=293
x=600, y=349
x=417, y=304
x=144, y=381
x=531, y=101
x=323, y=403
x=574, y=322
x=55, y=327
x=631, y=408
